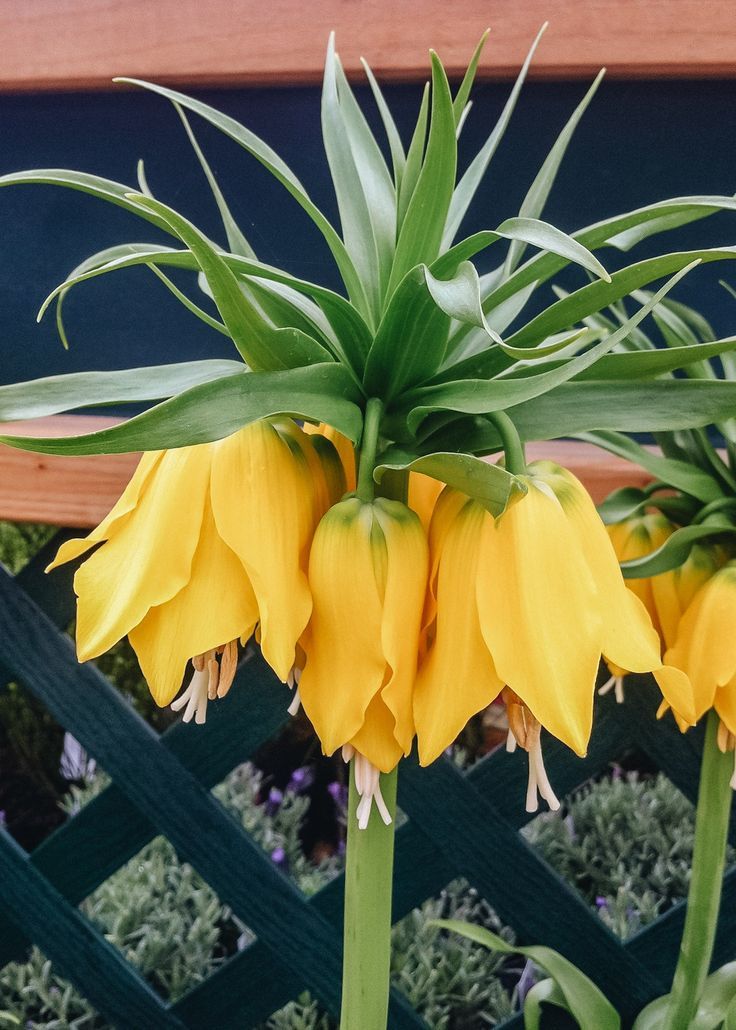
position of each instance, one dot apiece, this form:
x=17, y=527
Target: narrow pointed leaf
x=421, y=232
x=461, y=97
x=263, y=346
x=398, y=157
x=468, y=185
x=592, y=298
x=414, y=158
x=270, y=160
x=536, y=198
x=54, y=394
x=678, y=474
x=213, y=410
x=583, y=999
x=676, y=548
x=479, y=397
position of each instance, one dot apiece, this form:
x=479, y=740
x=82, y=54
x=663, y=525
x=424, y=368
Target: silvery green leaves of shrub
x=716, y=1009
x=567, y=988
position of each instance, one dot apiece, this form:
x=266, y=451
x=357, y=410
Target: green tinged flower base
x=367, y=941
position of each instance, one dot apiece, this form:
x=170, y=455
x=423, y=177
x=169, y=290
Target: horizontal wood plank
x=66, y=491
x=75, y=44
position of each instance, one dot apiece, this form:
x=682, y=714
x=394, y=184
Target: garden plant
x=326, y=491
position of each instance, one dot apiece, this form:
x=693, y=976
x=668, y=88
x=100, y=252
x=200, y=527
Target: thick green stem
x=513, y=448
x=704, y=895
x=368, y=446
x=368, y=880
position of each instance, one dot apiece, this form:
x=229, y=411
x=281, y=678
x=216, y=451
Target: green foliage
x=625, y=843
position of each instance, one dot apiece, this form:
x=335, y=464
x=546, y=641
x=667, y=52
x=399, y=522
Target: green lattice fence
x=458, y=825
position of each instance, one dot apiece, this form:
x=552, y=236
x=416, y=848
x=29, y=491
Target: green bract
x=417, y=327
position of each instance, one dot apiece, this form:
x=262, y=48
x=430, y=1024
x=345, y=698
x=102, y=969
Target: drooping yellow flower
x=530, y=601
x=205, y=543
x=705, y=646
x=368, y=574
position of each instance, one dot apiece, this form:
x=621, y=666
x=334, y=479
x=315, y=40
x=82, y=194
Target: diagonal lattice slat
x=160, y=785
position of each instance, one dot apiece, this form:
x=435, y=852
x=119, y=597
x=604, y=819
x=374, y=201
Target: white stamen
x=732, y=781
x=615, y=683
x=195, y=698
x=510, y=742
x=538, y=782
x=295, y=703
x=368, y=786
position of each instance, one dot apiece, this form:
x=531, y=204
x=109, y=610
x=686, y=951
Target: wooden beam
x=82, y=44
x=79, y=492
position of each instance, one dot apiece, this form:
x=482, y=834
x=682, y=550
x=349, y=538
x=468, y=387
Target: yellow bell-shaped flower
x=705, y=647
x=368, y=575
x=529, y=601
x=205, y=543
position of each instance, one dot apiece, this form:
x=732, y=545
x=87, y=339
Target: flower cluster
x=391, y=620
x=693, y=607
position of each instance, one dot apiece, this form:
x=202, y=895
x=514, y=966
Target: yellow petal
x=725, y=705
x=147, y=560
x=629, y=640
x=407, y=556
x=72, y=549
x=539, y=614
x=343, y=446
x=448, y=506
x=216, y=605
x=677, y=690
x=423, y=494
x=375, y=739
x=458, y=677
x=345, y=665
x=705, y=648
x=263, y=512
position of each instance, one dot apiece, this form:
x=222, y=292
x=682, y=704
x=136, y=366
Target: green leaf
x=270, y=160
x=410, y=341
x=583, y=999
x=352, y=332
x=461, y=97
x=398, y=157
x=623, y=504
x=211, y=411
x=104, y=189
x=358, y=231
x=592, y=298
x=264, y=347
x=678, y=474
x=236, y=241
x=533, y=203
x=480, y=397
x=676, y=548
x=542, y=267
x=466, y=189
x=652, y=1017
x=180, y=296
x=546, y=992
x=421, y=231
x=641, y=364
x=580, y=407
x=490, y=485
x=50, y=396
x=717, y=1007
x=414, y=158
x=525, y=229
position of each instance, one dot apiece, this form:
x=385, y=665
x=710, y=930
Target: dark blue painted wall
x=639, y=142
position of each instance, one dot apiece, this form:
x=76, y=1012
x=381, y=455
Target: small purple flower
x=301, y=779
x=278, y=857
x=601, y=902
x=3, y=820
x=274, y=800
x=339, y=793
